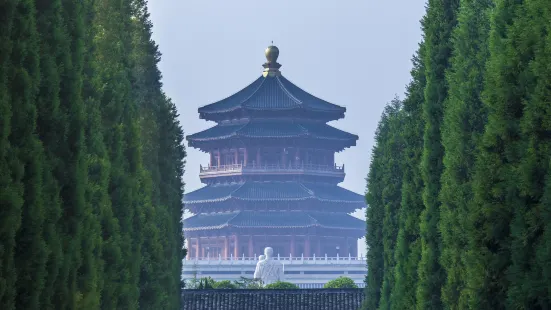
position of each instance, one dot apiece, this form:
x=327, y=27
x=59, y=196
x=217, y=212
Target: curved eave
x=230, y=198
x=272, y=130
x=234, y=135
x=286, y=191
x=281, y=113
x=270, y=94
x=206, y=228
x=205, y=114
x=271, y=227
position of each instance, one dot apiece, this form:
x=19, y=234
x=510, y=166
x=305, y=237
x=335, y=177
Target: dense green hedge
x=91, y=160
x=459, y=188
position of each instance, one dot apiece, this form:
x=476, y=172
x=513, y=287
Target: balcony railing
x=274, y=168
x=243, y=260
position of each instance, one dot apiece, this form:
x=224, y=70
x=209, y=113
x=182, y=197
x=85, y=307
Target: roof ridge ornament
x=271, y=67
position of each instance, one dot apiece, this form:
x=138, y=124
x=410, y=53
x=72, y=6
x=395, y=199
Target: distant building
x=272, y=181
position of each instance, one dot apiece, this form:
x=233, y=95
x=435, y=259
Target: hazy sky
x=353, y=53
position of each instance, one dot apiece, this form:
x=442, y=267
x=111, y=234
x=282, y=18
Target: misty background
x=356, y=54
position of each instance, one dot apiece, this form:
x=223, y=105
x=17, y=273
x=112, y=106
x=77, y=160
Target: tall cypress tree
x=408, y=243
x=463, y=125
x=71, y=172
x=52, y=130
x=146, y=92
x=375, y=215
x=537, y=126
x=30, y=250
x=78, y=195
x=392, y=170
x=171, y=156
x=543, y=249
x=383, y=199
x=163, y=158
x=530, y=41
x=438, y=25
x=11, y=193
x=495, y=189
x=118, y=114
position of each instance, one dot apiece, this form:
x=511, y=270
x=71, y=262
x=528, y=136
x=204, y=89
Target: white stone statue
x=267, y=269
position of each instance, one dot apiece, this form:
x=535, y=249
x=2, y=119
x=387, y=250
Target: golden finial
x=271, y=52
x=271, y=66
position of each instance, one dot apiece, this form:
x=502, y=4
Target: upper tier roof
x=271, y=94
x=266, y=129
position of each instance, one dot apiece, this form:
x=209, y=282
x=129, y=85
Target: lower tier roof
x=273, y=219
x=263, y=191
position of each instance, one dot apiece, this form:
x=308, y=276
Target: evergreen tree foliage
x=27, y=212
x=374, y=217
x=408, y=243
x=91, y=160
x=340, y=282
x=163, y=153
x=383, y=199
x=482, y=88
x=463, y=125
x=515, y=148
x=10, y=195
x=52, y=130
x=392, y=170
x=437, y=26
x=224, y=284
x=494, y=184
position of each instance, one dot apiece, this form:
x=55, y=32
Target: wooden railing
x=321, y=260
x=239, y=168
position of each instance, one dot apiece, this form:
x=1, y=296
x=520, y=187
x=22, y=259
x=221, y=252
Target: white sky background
x=353, y=53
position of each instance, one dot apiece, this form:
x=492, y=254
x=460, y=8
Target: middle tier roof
x=273, y=192
x=273, y=129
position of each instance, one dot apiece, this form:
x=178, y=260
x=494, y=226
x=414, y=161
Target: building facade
x=305, y=272
x=272, y=179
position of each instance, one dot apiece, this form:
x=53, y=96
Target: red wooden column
x=319, y=247
x=198, y=249
x=190, y=249
x=251, y=246
x=293, y=246
x=245, y=157
x=236, y=154
x=236, y=247
x=226, y=247
x=354, y=247
x=258, y=157
x=344, y=246
x=219, y=156
x=307, y=246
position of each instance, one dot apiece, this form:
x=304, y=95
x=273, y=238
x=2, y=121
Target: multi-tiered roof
x=272, y=161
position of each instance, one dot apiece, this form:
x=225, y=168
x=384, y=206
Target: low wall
x=268, y=299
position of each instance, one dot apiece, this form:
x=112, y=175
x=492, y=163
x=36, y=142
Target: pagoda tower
x=272, y=179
